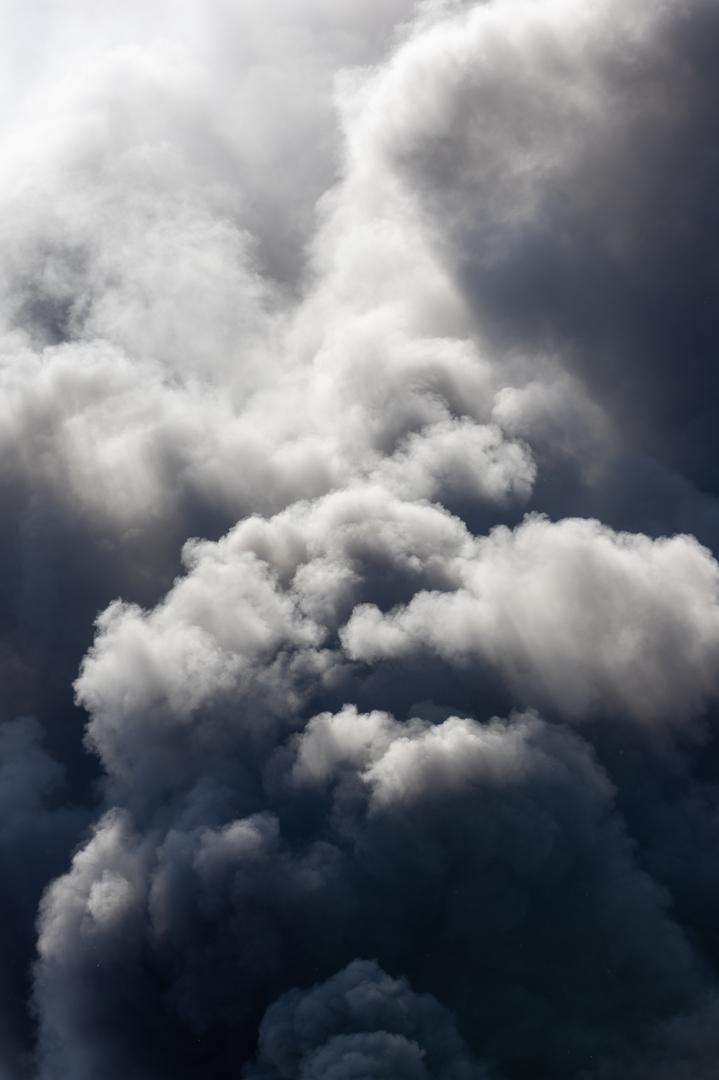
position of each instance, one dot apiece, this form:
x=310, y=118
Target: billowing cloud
x=361, y=1023
x=359, y=591
x=576, y=617
x=563, y=159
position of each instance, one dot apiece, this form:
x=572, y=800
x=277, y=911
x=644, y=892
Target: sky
x=359, y=593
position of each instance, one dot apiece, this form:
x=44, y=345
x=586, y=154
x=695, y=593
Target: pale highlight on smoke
x=578, y=618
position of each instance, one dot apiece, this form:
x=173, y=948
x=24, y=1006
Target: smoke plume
x=359, y=579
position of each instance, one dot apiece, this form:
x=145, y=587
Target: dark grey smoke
x=360, y=1023
x=359, y=594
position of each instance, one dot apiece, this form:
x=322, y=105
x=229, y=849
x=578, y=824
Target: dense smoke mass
x=359, y=579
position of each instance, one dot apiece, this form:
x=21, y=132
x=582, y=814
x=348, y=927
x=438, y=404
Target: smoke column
x=359, y=594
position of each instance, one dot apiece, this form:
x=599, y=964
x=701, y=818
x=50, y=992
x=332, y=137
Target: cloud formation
x=360, y=596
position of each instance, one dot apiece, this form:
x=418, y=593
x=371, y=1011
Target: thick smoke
x=360, y=1023
x=360, y=596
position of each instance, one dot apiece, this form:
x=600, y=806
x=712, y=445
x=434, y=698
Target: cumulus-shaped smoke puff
x=569, y=616
x=361, y=1023
x=561, y=153
x=202, y=923
x=578, y=618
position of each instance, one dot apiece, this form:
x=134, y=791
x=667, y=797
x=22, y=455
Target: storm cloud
x=359, y=624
